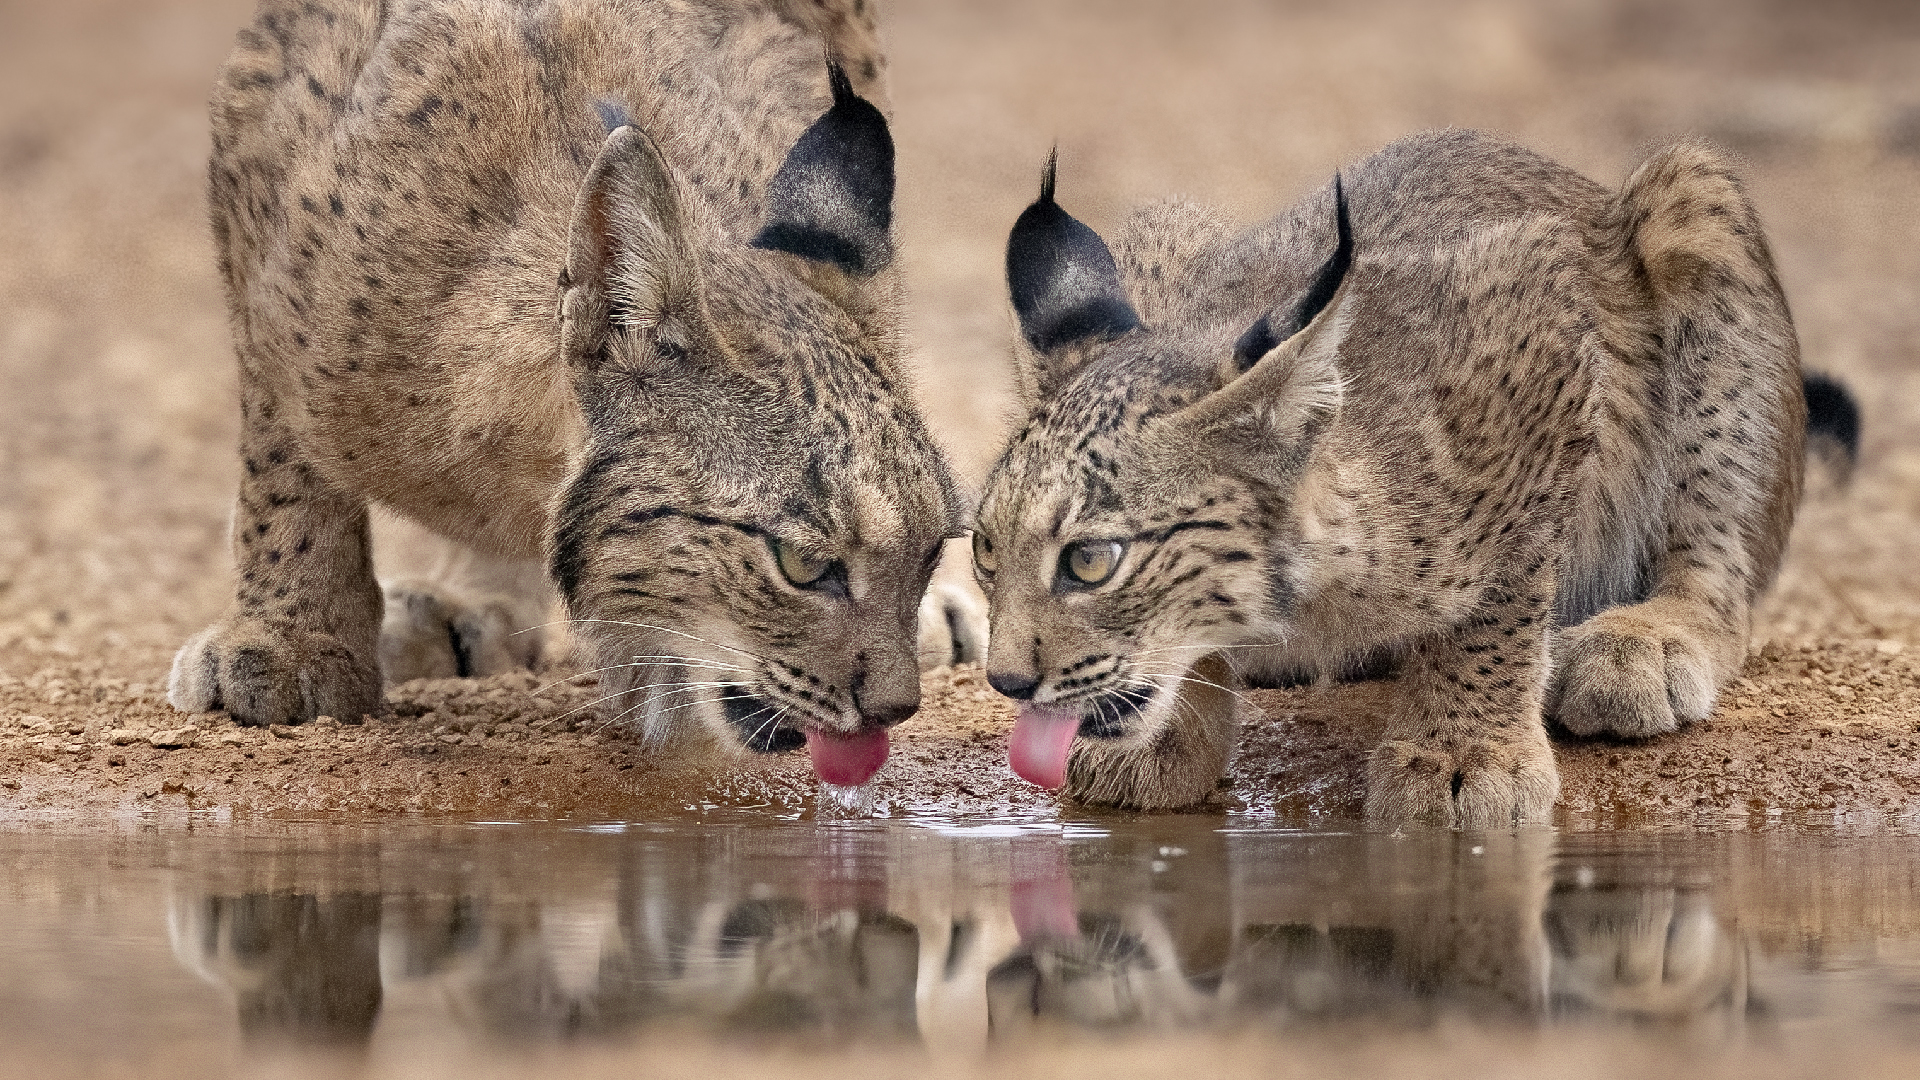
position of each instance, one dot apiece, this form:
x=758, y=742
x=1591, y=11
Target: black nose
x=1017, y=687
x=887, y=714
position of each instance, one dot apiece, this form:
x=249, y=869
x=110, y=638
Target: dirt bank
x=1817, y=733
x=117, y=420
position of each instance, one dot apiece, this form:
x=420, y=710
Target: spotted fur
x=605, y=283
x=1541, y=451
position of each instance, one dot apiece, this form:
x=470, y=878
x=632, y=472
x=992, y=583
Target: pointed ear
x=1283, y=382
x=832, y=200
x=630, y=262
x=1065, y=288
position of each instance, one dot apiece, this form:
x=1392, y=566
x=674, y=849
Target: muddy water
x=1155, y=947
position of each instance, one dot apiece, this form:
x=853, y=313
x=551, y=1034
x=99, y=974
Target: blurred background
x=117, y=415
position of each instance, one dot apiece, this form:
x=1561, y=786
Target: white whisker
x=664, y=630
x=704, y=701
x=687, y=661
x=770, y=724
x=1163, y=677
x=581, y=708
x=609, y=697
x=641, y=661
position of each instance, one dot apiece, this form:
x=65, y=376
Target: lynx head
x=1141, y=519
x=747, y=536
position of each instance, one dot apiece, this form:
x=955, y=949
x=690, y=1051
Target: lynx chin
x=602, y=287
x=1531, y=446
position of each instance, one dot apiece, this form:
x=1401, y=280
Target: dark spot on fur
x=423, y=115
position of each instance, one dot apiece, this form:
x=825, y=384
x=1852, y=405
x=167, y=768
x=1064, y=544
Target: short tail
x=1833, y=424
x=1723, y=322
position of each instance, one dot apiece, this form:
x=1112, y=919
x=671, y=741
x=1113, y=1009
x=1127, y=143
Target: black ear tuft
x=1063, y=279
x=1050, y=176
x=1266, y=334
x=832, y=200
x=841, y=86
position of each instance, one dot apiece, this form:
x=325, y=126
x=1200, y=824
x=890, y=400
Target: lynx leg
x=299, y=640
x=1181, y=765
x=453, y=611
x=1468, y=748
x=953, y=613
x=1736, y=425
x=432, y=631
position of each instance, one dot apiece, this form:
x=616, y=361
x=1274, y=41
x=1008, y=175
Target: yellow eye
x=801, y=569
x=983, y=557
x=1091, y=562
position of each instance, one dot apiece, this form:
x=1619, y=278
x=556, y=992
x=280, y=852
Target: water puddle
x=1150, y=947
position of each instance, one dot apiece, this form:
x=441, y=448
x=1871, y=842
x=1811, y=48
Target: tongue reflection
x=847, y=760
x=1042, y=736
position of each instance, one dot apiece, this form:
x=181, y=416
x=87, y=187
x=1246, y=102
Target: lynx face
x=758, y=510
x=1143, y=518
x=1111, y=573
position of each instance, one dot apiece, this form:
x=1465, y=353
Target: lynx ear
x=1065, y=286
x=832, y=200
x=630, y=262
x=1283, y=380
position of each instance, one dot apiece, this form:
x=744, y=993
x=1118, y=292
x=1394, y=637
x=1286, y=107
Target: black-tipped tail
x=1833, y=421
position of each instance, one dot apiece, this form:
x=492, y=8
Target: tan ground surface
x=117, y=420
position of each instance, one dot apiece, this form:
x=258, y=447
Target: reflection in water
x=301, y=967
x=1646, y=952
x=905, y=935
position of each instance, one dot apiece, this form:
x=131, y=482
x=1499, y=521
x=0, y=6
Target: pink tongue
x=1041, y=739
x=847, y=760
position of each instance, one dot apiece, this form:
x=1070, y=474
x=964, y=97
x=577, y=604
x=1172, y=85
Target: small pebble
x=176, y=739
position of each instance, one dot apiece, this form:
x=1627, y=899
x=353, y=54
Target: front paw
x=1179, y=766
x=1475, y=784
x=1628, y=674
x=953, y=623
x=1133, y=777
x=431, y=633
x=262, y=675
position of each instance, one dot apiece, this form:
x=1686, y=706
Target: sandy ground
x=117, y=420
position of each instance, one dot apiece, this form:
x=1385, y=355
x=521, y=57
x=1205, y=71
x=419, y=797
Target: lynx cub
x=1537, y=443
x=603, y=282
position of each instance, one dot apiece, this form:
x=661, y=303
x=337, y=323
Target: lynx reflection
x=1649, y=952
x=301, y=967
x=891, y=935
